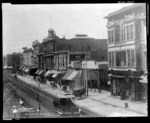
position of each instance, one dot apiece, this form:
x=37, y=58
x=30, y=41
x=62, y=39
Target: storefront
x=144, y=83
x=73, y=80
x=127, y=85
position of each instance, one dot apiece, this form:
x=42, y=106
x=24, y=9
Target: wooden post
x=99, y=82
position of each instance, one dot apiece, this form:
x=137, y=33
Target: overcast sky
x=22, y=24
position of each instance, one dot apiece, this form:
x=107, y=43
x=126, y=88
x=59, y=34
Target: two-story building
x=127, y=51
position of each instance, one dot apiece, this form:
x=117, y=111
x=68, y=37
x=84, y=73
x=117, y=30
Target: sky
x=24, y=23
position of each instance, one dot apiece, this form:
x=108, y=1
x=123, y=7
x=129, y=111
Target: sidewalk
x=106, y=105
x=107, y=98
x=102, y=103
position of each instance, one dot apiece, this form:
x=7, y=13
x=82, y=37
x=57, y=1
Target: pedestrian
x=21, y=102
x=15, y=112
x=38, y=109
x=37, y=97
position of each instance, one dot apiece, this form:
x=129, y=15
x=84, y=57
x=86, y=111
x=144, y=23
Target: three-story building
x=127, y=51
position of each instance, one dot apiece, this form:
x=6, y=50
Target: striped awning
x=72, y=75
x=40, y=72
x=54, y=76
x=37, y=71
x=20, y=68
x=48, y=72
x=23, y=68
x=67, y=74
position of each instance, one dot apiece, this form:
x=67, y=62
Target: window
x=112, y=36
x=131, y=58
x=108, y=37
x=131, y=32
x=122, y=36
x=109, y=55
x=112, y=58
x=121, y=58
x=128, y=32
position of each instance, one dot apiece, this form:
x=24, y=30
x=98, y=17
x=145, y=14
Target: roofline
x=124, y=9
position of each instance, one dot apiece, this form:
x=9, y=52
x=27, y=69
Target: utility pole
x=86, y=82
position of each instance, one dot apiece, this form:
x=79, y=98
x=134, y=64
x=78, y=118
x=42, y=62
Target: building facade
x=48, y=49
x=69, y=51
x=14, y=59
x=28, y=57
x=36, y=48
x=127, y=51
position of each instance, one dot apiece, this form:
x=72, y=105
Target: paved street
x=11, y=97
x=102, y=104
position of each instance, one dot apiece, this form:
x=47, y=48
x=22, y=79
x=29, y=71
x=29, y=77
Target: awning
x=72, y=75
x=20, y=68
x=118, y=76
x=54, y=71
x=54, y=75
x=26, y=70
x=144, y=79
x=67, y=74
x=48, y=72
x=40, y=72
x=37, y=71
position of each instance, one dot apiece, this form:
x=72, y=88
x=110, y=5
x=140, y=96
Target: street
x=12, y=93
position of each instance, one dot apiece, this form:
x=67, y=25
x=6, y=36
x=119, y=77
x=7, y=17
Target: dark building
x=58, y=53
x=127, y=51
x=48, y=49
x=14, y=59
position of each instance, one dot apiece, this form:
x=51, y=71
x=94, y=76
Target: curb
x=91, y=112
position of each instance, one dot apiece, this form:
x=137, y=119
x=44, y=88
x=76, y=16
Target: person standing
x=21, y=102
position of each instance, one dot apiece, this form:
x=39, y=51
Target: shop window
x=131, y=58
x=121, y=58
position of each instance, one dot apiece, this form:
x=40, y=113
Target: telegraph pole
x=86, y=82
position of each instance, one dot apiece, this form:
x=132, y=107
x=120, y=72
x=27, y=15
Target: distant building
x=127, y=52
x=4, y=61
x=28, y=57
x=14, y=59
x=36, y=46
